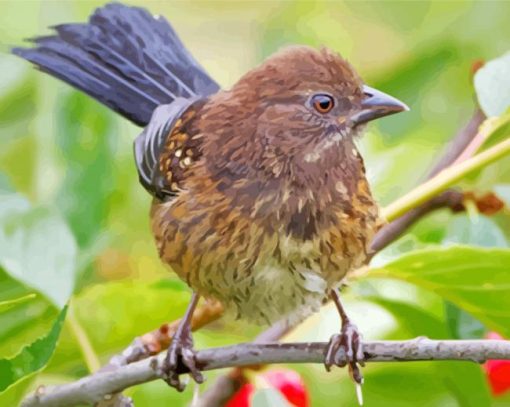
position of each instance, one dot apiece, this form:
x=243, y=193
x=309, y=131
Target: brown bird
x=260, y=194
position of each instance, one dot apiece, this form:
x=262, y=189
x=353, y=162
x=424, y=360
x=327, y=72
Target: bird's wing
x=167, y=147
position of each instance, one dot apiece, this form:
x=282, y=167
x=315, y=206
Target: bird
x=259, y=194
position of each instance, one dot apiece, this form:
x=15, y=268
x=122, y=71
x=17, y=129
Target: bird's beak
x=377, y=104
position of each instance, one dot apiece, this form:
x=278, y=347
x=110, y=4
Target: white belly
x=285, y=283
x=273, y=292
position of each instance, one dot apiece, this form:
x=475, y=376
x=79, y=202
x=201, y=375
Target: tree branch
x=101, y=385
x=459, y=144
x=155, y=341
x=392, y=231
x=446, y=178
x=455, y=149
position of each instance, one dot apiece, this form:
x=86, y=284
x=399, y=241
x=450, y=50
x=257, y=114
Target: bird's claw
x=350, y=340
x=181, y=353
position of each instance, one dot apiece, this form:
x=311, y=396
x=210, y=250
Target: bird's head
x=312, y=95
x=299, y=105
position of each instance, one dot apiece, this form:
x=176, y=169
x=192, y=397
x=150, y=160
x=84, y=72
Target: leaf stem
x=89, y=355
x=444, y=179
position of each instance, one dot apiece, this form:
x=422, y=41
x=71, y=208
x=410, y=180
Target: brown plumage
x=273, y=197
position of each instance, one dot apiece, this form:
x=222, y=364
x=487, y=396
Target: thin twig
x=101, y=385
x=451, y=199
x=155, y=341
x=151, y=344
x=89, y=355
x=444, y=179
x=455, y=149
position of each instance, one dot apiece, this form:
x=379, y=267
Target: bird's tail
x=123, y=57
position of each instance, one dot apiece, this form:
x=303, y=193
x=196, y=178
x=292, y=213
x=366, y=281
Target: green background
x=72, y=160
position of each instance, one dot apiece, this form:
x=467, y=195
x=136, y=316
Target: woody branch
x=102, y=385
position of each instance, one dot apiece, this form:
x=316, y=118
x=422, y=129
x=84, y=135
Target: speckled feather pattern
x=273, y=207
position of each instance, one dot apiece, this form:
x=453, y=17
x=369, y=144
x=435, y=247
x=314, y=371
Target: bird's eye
x=323, y=103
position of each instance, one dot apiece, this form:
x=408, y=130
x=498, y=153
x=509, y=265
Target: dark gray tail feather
x=125, y=58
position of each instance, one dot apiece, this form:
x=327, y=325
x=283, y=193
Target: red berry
x=498, y=371
x=493, y=335
x=290, y=384
x=242, y=397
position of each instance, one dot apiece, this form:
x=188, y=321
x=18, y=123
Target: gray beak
x=377, y=104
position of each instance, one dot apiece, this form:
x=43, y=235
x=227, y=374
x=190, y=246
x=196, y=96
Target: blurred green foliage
x=69, y=190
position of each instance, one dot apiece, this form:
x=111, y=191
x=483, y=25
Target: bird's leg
x=349, y=339
x=181, y=351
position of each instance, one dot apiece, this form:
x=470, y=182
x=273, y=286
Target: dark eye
x=323, y=103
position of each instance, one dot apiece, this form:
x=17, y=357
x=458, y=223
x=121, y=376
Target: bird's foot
x=181, y=354
x=350, y=340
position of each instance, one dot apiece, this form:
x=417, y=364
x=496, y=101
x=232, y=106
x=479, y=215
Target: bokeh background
x=65, y=152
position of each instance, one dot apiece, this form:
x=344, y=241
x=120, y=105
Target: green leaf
x=393, y=251
x=113, y=313
x=476, y=230
x=459, y=378
x=474, y=279
x=26, y=321
x=38, y=249
x=503, y=192
x=413, y=319
x=33, y=357
x=11, y=203
x=269, y=398
x=492, y=84
x=132, y=307
x=461, y=324
x=492, y=131
x=16, y=392
x=5, y=305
